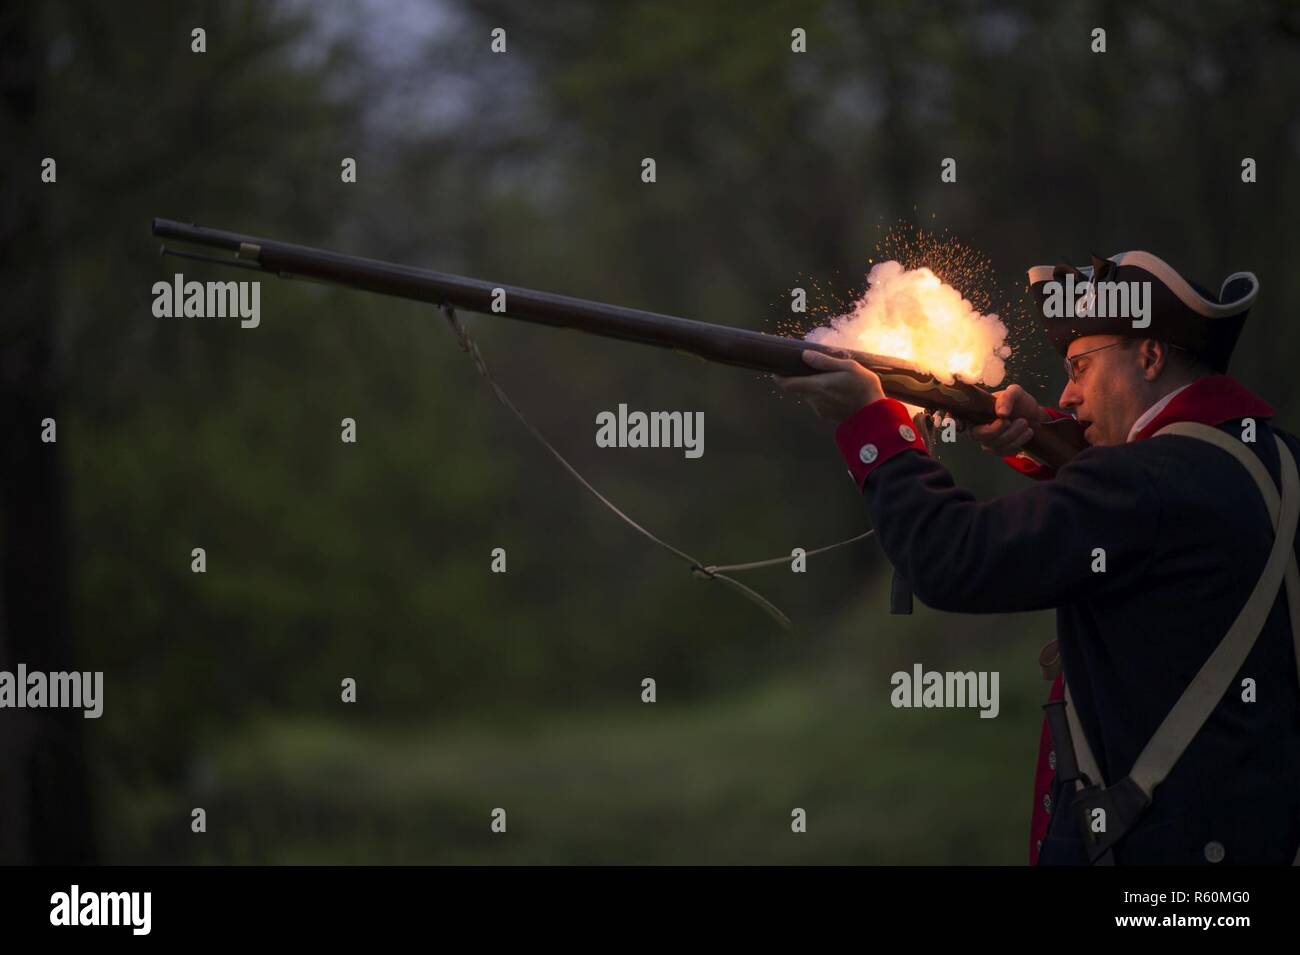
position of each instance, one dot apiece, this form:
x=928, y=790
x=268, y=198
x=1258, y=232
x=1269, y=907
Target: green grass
x=705, y=782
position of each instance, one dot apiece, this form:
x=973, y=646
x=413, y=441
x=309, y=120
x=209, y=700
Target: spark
x=928, y=300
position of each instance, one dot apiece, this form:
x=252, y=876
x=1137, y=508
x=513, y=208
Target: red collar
x=1211, y=400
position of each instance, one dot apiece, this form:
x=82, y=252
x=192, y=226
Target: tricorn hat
x=1139, y=295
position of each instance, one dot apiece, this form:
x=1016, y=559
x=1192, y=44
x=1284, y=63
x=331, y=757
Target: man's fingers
x=990, y=431
x=1003, y=436
x=994, y=432
x=1015, y=402
x=824, y=362
x=1010, y=402
x=1015, y=437
x=1015, y=431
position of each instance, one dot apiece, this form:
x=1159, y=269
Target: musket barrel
x=724, y=344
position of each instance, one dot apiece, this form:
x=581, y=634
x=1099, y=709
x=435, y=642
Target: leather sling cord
x=1107, y=813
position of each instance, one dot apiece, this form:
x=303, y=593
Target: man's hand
x=842, y=388
x=1018, y=413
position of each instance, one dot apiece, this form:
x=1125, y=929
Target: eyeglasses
x=1072, y=370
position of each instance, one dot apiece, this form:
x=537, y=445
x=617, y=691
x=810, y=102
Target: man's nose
x=1070, y=396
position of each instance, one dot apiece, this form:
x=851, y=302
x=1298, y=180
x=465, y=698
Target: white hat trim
x=1176, y=283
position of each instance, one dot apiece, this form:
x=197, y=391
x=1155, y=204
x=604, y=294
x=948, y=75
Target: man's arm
x=1091, y=528
x=1040, y=547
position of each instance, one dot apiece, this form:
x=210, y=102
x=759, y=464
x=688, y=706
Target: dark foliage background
x=328, y=560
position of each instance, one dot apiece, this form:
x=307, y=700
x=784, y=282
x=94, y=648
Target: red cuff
x=874, y=434
x=1027, y=465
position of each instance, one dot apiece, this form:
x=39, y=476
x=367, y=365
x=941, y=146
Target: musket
x=1054, y=443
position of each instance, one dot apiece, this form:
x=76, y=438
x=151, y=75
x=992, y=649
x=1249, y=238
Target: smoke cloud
x=914, y=315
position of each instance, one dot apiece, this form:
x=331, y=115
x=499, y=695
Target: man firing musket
x=1173, y=729
x=1178, y=667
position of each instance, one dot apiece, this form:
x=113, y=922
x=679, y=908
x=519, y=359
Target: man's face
x=1110, y=393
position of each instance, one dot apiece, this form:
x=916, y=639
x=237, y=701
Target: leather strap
x=1215, y=676
x=1211, y=683
x=1083, y=757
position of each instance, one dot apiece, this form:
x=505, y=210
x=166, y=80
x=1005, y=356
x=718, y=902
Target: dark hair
x=1179, y=359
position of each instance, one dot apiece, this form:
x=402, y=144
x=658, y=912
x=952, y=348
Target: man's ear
x=1155, y=358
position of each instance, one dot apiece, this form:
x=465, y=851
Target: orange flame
x=912, y=314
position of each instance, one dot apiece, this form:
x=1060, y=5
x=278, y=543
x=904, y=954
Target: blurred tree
x=44, y=806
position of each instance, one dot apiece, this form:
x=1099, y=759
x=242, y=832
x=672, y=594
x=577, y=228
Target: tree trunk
x=44, y=804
